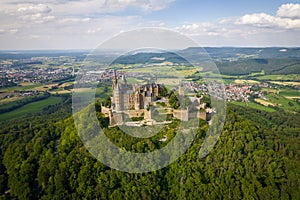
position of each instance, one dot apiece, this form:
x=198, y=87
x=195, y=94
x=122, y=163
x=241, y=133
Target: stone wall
x=105, y=111
x=135, y=113
x=116, y=119
x=185, y=115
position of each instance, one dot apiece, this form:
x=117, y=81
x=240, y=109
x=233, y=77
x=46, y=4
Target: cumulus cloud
x=282, y=27
x=289, y=11
x=200, y=29
x=37, y=18
x=33, y=9
x=287, y=17
x=83, y=6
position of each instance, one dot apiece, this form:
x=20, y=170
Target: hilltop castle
x=131, y=100
x=132, y=97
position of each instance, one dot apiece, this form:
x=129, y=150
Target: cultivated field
x=264, y=102
x=31, y=108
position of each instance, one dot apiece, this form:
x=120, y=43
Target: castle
x=132, y=100
x=132, y=97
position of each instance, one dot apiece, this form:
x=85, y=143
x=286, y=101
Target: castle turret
x=156, y=91
x=137, y=101
x=181, y=90
x=124, y=79
x=114, y=80
x=117, y=98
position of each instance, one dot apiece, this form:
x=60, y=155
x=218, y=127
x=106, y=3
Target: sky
x=84, y=24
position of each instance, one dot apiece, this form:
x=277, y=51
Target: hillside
x=257, y=157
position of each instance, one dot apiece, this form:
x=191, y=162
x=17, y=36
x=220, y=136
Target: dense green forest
x=269, y=66
x=256, y=157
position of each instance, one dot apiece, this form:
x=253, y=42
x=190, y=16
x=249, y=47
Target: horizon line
x=86, y=49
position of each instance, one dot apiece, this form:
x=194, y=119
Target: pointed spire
x=117, y=87
x=124, y=79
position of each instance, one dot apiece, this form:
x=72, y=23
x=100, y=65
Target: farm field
x=30, y=108
x=240, y=81
x=8, y=100
x=177, y=71
x=254, y=106
x=263, y=102
x=286, y=83
x=20, y=88
x=289, y=77
x=282, y=102
x=290, y=92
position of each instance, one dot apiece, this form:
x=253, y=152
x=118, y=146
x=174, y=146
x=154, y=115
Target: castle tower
x=151, y=92
x=117, y=98
x=137, y=101
x=114, y=80
x=181, y=90
x=111, y=119
x=124, y=81
x=156, y=91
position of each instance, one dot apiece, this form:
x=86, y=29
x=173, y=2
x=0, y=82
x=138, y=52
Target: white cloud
x=287, y=17
x=33, y=9
x=268, y=21
x=254, y=29
x=37, y=18
x=8, y=31
x=289, y=10
x=77, y=7
x=73, y=20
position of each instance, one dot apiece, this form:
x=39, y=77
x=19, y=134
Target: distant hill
x=237, y=52
x=150, y=58
x=230, y=60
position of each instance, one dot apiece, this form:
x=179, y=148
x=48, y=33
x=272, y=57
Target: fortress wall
x=116, y=119
x=202, y=115
x=105, y=111
x=184, y=115
x=135, y=113
x=181, y=115
x=193, y=115
x=148, y=114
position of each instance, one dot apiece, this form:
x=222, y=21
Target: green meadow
x=30, y=108
x=254, y=106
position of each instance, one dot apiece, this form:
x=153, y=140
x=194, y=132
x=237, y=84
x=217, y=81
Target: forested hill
x=256, y=157
x=264, y=52
x=229, y=60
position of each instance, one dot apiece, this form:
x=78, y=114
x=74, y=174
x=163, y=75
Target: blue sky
x=83, y=24
x=199, y=10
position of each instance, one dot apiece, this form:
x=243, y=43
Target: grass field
x=240, y=81
x=165, y=70
x=32, y=86
x=290, y=92
x=254, y=106
x=269, y=90
x=20, y=88
x=289, y=77
x=283, y=102
x=9, y=100
x=30, y=108
x=262, y=72
x=263, y=102
x=286, y=83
